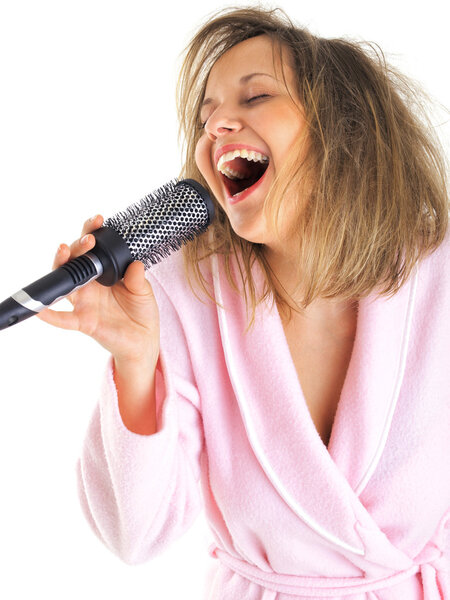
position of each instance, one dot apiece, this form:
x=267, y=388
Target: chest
x=321, y=361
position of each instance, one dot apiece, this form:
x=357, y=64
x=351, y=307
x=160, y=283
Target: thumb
x=135, y=281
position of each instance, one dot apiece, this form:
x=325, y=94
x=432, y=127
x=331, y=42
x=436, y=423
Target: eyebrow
x=242, y=80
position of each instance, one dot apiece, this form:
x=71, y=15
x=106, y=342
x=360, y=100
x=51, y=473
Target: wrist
x=135, y=383
x=140, y=363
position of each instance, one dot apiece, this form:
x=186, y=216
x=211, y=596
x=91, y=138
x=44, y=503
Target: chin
x=250, y=234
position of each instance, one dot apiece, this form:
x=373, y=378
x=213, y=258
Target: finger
x=86, y=241
x=92, y=224
x=135, y=281
x=62, y=255
x=59, y=318
x=81, y=246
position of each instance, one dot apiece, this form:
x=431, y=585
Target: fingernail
x=92, y=219
x=84, y=239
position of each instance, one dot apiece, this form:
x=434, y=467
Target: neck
x=287, y=277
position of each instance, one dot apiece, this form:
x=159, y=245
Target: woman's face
x=247, y=106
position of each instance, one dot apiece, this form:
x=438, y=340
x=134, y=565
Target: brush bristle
x=161, y=222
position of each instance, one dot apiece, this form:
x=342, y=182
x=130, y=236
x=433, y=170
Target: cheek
x=202, y=156
x=204, y=164
x=285, y=127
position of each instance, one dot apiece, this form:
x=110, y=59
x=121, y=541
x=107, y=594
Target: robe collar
x=321, y=485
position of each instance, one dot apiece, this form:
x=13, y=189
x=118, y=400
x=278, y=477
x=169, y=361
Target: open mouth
x=240, y=174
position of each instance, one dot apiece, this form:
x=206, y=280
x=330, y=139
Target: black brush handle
x=106, y=262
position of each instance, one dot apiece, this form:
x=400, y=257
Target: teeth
x=231, y=174
x=248, y=154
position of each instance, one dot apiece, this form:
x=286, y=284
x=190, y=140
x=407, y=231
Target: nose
x=223, y=121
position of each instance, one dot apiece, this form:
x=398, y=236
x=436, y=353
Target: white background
x=87, y=126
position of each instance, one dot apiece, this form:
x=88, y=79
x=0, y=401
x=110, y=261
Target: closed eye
x=249, y=101
x=258, y=97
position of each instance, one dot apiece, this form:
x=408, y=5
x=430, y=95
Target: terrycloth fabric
x=366, y=518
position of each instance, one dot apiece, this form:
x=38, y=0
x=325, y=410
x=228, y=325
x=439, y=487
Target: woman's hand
x=123, y=318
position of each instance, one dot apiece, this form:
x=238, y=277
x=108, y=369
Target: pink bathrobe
x=366, y=518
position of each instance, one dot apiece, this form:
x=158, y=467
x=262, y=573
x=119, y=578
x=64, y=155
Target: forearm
x=135, y=383
x=140, y=492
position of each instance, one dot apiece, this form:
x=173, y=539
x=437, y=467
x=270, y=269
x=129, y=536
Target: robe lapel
x=372, y=385
x=316, y=483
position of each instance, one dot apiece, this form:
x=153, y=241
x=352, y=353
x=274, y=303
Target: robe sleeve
x=139, y=492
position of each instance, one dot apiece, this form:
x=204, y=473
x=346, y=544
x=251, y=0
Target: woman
x=307, y=390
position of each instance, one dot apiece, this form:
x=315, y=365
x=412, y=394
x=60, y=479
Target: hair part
x=370, y=192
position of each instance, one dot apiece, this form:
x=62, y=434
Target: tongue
x=242, y=166
x=249, y=171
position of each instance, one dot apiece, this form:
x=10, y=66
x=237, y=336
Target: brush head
x=163, y=221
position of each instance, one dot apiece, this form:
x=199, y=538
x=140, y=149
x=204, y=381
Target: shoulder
x=432, y=278
x=168, y=270
x=437, y=264
x=172, y=277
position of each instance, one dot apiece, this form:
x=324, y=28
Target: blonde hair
x=374, y=174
